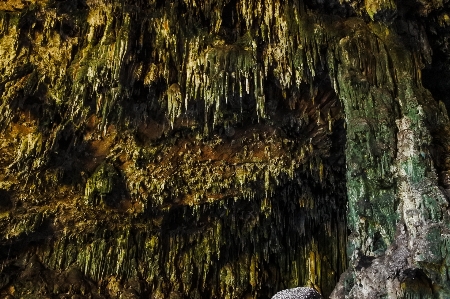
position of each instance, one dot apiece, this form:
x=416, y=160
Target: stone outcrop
x=224, y=148
x=298, y=293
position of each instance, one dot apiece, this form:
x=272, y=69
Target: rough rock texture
x=298, y=293
x=221, y=148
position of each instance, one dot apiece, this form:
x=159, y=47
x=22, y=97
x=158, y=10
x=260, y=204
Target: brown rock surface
x=224, y=148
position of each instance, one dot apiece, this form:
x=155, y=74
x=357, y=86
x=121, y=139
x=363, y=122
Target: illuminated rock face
x=223, y=149
x=298, y=293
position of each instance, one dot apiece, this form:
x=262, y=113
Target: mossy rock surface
x=224, y=148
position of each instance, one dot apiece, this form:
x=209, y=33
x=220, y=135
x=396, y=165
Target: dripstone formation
x=224, y=148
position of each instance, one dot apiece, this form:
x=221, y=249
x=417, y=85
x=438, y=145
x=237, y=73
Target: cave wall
x=191, y=149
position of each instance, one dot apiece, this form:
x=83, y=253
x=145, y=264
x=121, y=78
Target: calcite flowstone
x=224, y=148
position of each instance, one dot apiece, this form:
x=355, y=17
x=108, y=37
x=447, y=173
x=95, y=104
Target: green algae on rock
x=191, y=149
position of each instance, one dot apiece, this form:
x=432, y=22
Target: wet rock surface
x=224, y=148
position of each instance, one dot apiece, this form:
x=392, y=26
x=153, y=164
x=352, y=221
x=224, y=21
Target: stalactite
x=198, y=146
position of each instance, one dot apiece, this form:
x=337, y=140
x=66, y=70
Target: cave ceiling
x=224, y=148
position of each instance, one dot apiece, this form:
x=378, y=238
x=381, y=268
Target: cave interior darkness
x=113, y=183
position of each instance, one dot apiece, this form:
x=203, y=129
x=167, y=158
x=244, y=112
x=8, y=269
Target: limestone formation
x=224, y=148
x=298, y=293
